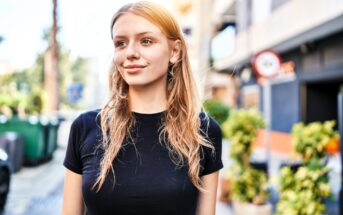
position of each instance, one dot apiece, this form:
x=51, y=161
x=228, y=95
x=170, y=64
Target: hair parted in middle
x=181, y=127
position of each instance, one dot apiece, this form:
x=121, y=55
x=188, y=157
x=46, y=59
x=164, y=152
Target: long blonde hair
x=181, y=128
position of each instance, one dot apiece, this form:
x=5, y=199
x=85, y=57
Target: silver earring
x=171, y=69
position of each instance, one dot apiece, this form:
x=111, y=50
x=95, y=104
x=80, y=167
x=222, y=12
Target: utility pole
x=51, y=68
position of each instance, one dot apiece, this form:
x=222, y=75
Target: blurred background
x=269, y=71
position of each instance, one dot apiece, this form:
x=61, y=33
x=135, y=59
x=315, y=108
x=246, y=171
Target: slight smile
x=134, y=68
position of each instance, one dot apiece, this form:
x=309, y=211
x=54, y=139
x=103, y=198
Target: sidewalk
x=37, y=190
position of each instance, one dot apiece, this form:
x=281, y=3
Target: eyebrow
x=139, y=34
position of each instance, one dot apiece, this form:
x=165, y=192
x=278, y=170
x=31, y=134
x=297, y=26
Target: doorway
x=320, y=101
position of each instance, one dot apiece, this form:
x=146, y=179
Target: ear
x=175, y=51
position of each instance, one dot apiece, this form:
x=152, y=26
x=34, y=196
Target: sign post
x=266, y=65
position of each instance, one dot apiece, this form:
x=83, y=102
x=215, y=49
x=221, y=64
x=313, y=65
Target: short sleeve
x=72, y=160
x=212, y=162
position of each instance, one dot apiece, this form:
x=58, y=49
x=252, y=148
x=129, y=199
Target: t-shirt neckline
x=148, y=115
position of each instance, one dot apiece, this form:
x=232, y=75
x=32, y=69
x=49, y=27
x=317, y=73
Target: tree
x=51, y=67
x=52, y=73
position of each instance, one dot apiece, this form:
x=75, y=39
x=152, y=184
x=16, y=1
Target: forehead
x=131, y=24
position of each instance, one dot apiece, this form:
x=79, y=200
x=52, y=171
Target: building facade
x=308, y=36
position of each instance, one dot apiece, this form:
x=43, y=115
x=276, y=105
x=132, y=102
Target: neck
x=147, y=100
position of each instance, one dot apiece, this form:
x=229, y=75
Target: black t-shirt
x=146, y=179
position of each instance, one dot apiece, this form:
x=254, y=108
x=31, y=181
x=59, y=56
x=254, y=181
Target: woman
x=149, y=150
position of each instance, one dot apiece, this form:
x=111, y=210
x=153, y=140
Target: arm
x=72, y=196
x=207, y=200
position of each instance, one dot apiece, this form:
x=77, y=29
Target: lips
x=134, y=68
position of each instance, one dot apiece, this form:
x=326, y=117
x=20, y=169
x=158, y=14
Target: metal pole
x=267, y=116
x=340, y=127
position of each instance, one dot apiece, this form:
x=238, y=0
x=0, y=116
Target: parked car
x=5, y=178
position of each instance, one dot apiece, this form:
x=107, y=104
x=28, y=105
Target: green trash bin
x=32, y=132
x=51, y=130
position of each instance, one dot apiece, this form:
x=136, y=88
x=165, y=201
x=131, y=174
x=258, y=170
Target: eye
x=146, y=41
x=119, y=44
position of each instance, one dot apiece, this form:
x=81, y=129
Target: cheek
x=118, y=58
x=160, y=59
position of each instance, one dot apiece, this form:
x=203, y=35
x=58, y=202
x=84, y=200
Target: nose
x=132, y=51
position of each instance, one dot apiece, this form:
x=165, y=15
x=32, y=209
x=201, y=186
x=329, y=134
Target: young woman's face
x=142, y=52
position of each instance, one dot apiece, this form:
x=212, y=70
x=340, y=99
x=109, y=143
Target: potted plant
x=248, y=185
x=303, y=190
x=250, y=192
x=241, y=128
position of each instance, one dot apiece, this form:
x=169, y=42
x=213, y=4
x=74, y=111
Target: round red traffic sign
x=266, y=63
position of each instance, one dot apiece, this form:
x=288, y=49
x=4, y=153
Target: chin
x=141, y=82
x=137, y=83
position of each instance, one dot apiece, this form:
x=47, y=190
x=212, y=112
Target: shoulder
x=87, y=116
x=82, y=140
x=85, y=126
x=211, y=157
x=209, y=126
x=87, y=120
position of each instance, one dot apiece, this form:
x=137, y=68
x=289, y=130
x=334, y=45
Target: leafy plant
x=251, y=186
x=15, y=102
x=302, y=192
x=218, y=110
x=12, y=101
x=341, y=88
x=241, y=128
x=311, y=141
x=36, y=102
x=248, y=184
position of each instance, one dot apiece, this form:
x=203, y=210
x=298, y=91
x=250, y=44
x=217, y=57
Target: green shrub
x=29, y=103
x=248, y=184
x=241, y=128
x=341, y=88
x=310, y=141
x=302, y=192
x=216, y=109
